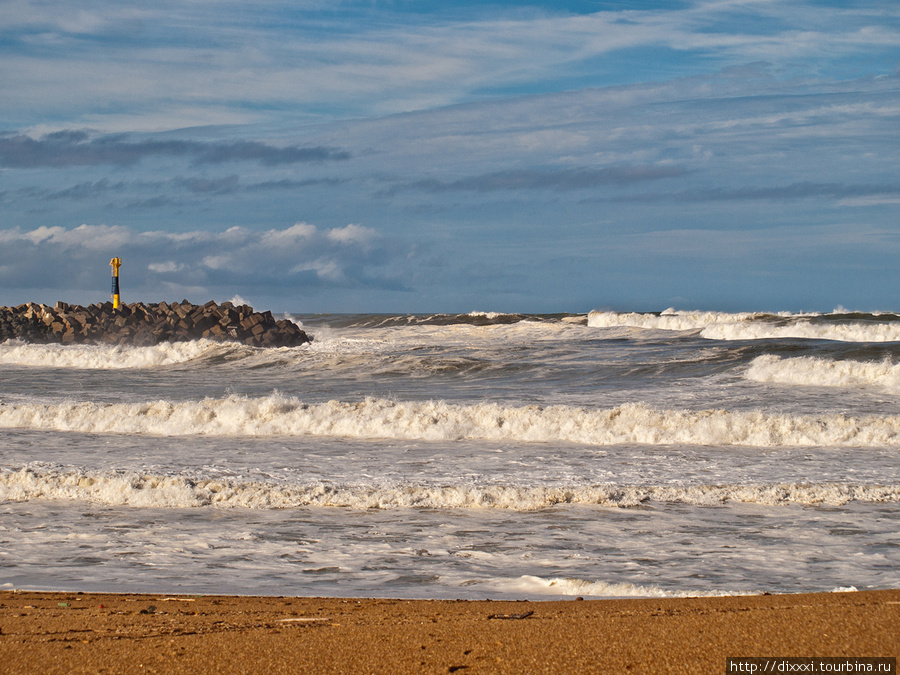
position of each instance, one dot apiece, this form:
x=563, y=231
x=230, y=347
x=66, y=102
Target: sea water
x=462, y=456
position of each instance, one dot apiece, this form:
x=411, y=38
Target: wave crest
x=632, y=423
x=109, y=357
x=815, y=371
x=154, y=490
x=667, y=320
x=759, y=326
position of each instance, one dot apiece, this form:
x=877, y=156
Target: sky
x=409, y=157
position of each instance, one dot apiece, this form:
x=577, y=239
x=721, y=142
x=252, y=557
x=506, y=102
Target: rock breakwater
x=147, y=324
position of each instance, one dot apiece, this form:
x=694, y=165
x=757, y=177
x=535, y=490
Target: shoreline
x=57, y=632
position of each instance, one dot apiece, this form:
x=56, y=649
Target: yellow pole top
x=116, y=264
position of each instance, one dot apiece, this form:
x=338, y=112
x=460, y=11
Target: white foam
x=328, y=343
x=841, y=332
x=154, y=490
x=562, y=586
x=750, y=325
x=487, y=315
x=632, y=423
x=105, y=357
x=814, y=371
x=667, y=320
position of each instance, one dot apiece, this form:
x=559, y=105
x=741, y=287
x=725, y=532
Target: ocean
x=466, y=456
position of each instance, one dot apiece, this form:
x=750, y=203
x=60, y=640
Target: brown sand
x=93, y=633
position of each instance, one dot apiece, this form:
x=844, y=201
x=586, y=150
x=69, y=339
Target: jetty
x=141, y=324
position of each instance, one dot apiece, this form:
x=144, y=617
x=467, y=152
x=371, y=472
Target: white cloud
x=41, y=234
x=352, y=234
x=216, y=262
x=165, y=267
x=83, y=236
x=77, y=259
x=296, y=234
x=327, y=270
x=189, y=237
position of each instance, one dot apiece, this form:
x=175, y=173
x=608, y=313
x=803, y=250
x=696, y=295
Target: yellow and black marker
x=116, y=264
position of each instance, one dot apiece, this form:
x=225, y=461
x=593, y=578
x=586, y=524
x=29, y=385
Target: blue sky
x=414, y=156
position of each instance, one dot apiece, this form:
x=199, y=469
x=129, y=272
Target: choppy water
x=470, y=456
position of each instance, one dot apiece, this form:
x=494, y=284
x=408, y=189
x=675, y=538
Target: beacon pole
x=116, y=264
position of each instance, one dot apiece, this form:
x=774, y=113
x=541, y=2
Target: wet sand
x=112, y=633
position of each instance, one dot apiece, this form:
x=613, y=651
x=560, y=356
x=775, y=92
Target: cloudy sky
x=417, y=156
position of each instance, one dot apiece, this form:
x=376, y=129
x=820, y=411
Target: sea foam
x=176, y=491
x=753, y=326
x=107, y=357
x=375, y=418
x=667, y=320
x=567, y=586
x=840, y=332
x=815, y=371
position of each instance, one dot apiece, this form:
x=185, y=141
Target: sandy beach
x=118, y=633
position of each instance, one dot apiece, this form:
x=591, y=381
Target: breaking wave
x=602, y=589
x=476, y=318
x=759, y=326
x=850, y=332
x=669, y=319
x=374, y=418
x=815, y=371
x=109, y=357
x=153, y=490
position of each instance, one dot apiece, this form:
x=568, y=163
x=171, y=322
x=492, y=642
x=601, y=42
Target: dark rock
x=144, y=325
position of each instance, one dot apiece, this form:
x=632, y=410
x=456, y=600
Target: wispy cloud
x=795, y=191
x=77, y=148
x=85, y=190
x=757, y=247
x=538, y=179
x=275, y=61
